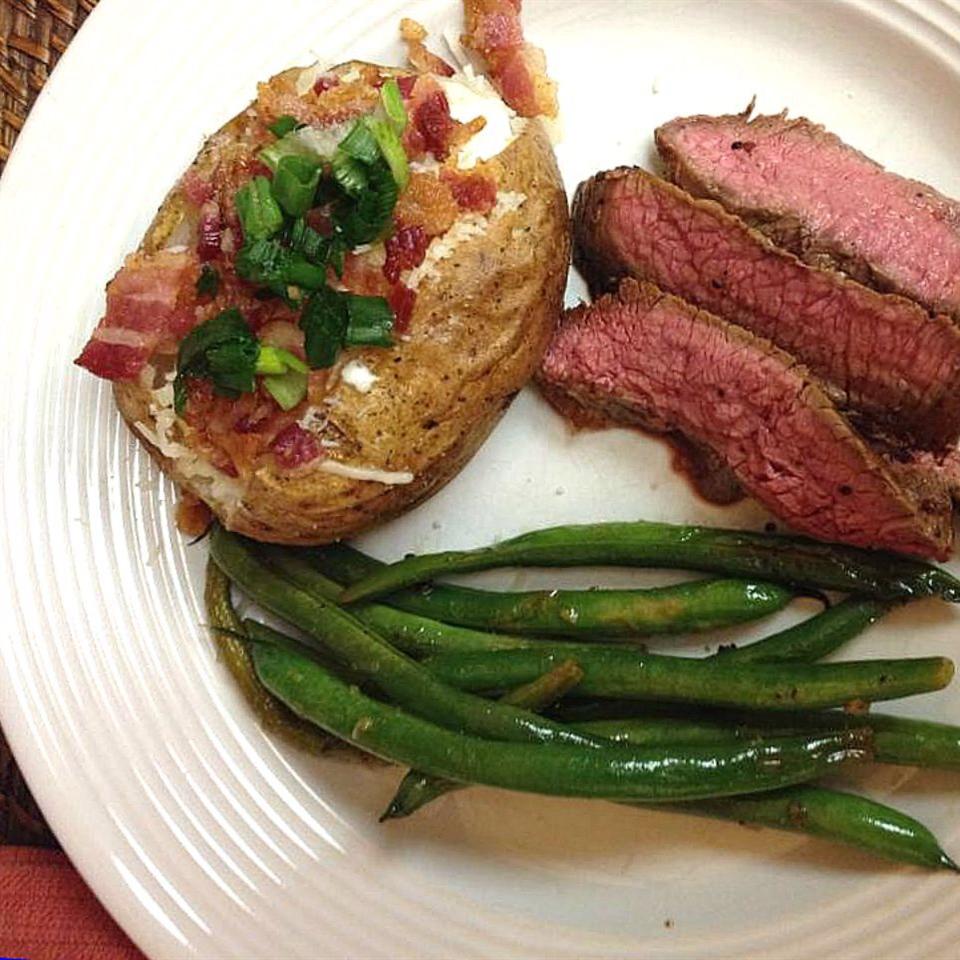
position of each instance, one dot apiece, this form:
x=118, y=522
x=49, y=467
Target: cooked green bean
x=682, y=608
x=414, y=634
x=835, y=816
x=796, y=561
x=227, y=630
x=899, y=740
x=813, y=638
x=536, y=696
x=354, y=645
x=613, y=772
x=612, y=672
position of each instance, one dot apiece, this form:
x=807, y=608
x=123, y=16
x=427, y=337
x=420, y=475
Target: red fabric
x=47, y=912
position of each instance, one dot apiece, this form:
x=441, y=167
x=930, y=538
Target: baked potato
x=328, y=433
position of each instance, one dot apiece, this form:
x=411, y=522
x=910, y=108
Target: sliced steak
x=656, y=360
x=888, y=358
x=818, y=197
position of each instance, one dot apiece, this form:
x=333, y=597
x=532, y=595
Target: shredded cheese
x=359, y=376
x=388, y=477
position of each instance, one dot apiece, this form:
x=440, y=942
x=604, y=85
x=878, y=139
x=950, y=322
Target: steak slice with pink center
x=823, y=200
x=651, y=358
x=893, y=366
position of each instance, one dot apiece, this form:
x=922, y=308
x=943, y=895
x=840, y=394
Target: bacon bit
x=233, y=434
x=285, y=335
x=433, y=122
x=498, y=31
x=327, y=102
x=517, y=69
x=195, y=188
x=431, y=125
x=472, y=192
x=113, y=361
x=294, y=446
x=406, y=85
x=278, y=98
x=523, y=82
x=344, y=101
x=429, y=203
x=423, y=61
x=464, y=132
x=361, y=276
x=402, y=300
x=405, y=250
x=152, y=297
x=193, y=515
x=325, y=83
x=210, y=232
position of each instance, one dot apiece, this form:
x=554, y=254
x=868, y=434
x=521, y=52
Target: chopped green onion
x=276, y=360
x=304, y=239
x=365, y=218
x=290, y=145
x=336, y=255
x=288, y=389
x=370, y=322
x=284, y=125
x=284, y=375
x=360, y=143
x=295, y=183
x=302, y=273
x=208, y=283
x=260, y=215
x=224, y=350
x=392, y=150
x=324, y=322
x=350, y=174
x=393, y=106
x=268, y=263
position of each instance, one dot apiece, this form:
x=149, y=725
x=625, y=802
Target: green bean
x=414, y=634
x=835, y=816
x=683, y=608
x=354, y=645
x=536, y=696
x=610, y=772
x=814, y=638
x=829, y=814
x=796, y=561
x=227, y=630
x=898, y=740
x=611, y=672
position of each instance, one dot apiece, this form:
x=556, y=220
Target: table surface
x=33, y=36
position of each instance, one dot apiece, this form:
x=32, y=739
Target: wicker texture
x=33, y=35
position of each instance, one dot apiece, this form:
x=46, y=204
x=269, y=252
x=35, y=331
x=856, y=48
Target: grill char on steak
x=824, y=201
x=889, y=362
x=646, y=357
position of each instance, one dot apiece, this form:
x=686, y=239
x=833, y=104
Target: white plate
x=201, y=835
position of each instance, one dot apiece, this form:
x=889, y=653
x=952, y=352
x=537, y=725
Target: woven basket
x=33, y=34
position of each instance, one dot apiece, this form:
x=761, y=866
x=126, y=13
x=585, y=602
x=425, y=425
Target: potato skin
x=477, y=334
